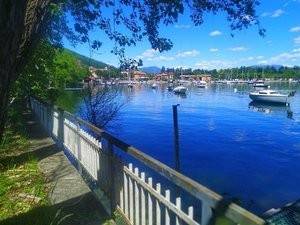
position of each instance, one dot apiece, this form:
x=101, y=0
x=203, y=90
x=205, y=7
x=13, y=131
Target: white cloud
x=249, y=58
x=265, y=14
x=163, y=58
x=295, y=29
x=213, y=49
x=263, y=62
x=185, y=54
x=154, y=55
x=182, y=26
x=238, y=49
x=284, y=58
x=274, y=14
x=297, y=40
x=277, y=13
x=213, y=64
x=291, y=1
x=269, y=42
x=296, y=50
x=149, y=53
x=182, y=67
x=215, y=33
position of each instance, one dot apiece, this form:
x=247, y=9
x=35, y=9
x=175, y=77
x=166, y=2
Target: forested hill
x=88, y=61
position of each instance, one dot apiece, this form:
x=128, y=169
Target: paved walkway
x=68, y=191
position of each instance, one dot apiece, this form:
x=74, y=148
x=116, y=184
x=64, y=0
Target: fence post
x=49, y=130
x=112, y=177
x=60, y=132
x=78, y=143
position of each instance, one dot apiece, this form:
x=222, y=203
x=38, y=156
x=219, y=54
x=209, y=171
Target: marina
x=216, y=148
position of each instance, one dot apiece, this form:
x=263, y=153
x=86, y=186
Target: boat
x=154, y=86
x=170, y=87
x=270, y=96
x=180, y=90
x=130, y=85
x=287, y=214
x=202, y=84
x=260, y=84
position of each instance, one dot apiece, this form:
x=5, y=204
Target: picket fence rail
x=140, y=198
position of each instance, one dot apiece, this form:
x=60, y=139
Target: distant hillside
x=150, y=69
x=88, y=61
x=276, y=67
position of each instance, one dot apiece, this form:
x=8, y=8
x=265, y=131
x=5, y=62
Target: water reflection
x=221, y=138
x=269, y=108
x=181, y=95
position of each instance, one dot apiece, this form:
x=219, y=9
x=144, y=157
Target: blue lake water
x=250, y=152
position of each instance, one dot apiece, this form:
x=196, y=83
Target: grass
x=22, y=185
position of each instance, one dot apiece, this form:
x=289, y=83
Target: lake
x=249, y=152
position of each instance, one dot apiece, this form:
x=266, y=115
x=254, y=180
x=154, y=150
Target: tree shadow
x=82, y=210
x=38, y=153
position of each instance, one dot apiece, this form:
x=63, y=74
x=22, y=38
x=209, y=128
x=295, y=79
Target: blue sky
x=211, y=46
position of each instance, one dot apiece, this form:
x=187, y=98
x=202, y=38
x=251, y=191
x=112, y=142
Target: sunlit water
x=249, y=152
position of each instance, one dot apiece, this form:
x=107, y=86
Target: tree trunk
x=20, y=22
x=3, y=110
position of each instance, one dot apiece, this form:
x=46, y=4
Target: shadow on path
x=72, y=202
x=82, y=210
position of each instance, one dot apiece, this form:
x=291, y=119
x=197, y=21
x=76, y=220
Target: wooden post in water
x=176, y=137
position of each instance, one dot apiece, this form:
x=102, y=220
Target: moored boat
x=180, y=90
x=154, y=86
x=260, y=84
x=201, y=84
x=130, y=85
x=170, y=87
x=270, y=96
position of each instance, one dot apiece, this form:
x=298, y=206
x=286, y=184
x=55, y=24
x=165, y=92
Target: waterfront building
x=164, y=76
x=139, y=75
x=200, y=77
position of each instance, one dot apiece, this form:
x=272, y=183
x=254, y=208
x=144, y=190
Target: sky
x=211, y=46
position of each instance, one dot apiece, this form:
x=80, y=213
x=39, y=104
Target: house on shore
x=202, y=77
x=137, y=75
x=94, y=70
x=164, y=76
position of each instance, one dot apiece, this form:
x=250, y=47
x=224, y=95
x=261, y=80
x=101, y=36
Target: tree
x=48, y=71
x=101, y=105
x=24, y=22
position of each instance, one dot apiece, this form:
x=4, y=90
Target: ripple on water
x=249, y=153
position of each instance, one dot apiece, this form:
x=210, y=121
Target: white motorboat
x=180, y=90
x=154, y=86
x=130, y=85
x=170, y=87
x=270, y=96
x=202, y=84
x=260, y=84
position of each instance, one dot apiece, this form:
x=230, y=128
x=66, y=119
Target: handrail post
x=60, y=132
x=112, y=176
x=78, y=144
x=49, y=119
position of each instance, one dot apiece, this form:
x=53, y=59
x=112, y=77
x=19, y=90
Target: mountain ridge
x=89, y=61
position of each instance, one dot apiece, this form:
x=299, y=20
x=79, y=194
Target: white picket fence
x=132, y=192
